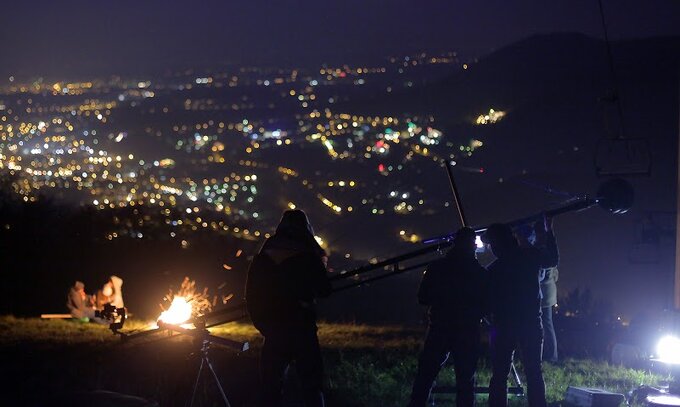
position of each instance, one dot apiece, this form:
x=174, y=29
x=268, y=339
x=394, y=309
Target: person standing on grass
x=529, y=235
x=516, y=309
x=284, y=281
x=548, y=278
x=455, y=289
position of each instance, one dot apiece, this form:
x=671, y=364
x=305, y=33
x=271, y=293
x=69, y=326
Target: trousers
x=441, y=342
x=505, y=338
x=549, y=336
x=283, y=346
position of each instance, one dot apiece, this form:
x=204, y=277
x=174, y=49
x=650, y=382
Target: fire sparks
x=187, y=303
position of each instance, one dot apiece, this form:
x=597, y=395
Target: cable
x=610, y=59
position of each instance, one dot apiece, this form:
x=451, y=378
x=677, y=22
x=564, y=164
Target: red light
x=381, y=167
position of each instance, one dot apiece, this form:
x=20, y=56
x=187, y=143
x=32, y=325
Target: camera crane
x=614, y=196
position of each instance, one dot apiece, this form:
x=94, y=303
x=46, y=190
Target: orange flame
x=187, y=303
x=178, y=313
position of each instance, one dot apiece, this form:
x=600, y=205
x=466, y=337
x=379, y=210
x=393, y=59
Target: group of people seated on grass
x=290, y=272
x=82, y=306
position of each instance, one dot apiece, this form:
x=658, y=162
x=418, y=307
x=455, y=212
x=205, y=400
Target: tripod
x=205, y=361
x=202, y=334
x=516, y=390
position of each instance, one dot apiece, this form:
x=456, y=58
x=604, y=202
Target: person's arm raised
x=548, y=254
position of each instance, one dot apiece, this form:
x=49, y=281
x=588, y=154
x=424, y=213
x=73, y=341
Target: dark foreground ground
x=52, y=363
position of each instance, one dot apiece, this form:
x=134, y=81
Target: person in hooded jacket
x=104, y=296
x=455, y=288
x=117, y=295
x=284, y=280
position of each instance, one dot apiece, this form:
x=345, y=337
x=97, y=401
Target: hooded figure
x=284, y=281
x=117, y=296
x=287, y=275
x=104, y=296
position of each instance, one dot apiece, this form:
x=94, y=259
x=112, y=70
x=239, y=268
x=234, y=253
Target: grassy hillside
x=365, y=365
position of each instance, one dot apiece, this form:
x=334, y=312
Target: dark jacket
x=455, y=288
x=282, y=286
x=515, y=289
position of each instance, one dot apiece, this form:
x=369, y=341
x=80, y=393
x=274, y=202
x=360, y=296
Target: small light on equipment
x=479, y=243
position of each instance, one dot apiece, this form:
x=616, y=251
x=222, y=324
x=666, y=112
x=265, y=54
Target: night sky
x=62, y=38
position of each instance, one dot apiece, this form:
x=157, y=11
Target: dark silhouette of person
x=529, y=235
x=455, y=289
x=284, y=280
x=516, y=310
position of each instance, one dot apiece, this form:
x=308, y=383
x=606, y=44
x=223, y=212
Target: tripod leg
x=515, y=376
x=198, y=379
x=217, y=382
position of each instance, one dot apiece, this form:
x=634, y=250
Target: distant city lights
x=493, y=116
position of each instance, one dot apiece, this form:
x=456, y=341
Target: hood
x=117, y=282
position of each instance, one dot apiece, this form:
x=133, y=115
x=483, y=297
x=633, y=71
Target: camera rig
x=115, y=316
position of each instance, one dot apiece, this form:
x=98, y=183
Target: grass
x=365, y=365
x=69, y=332
x=370, y=379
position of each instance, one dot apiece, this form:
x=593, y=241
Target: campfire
x=187, y=303
x=180, y=312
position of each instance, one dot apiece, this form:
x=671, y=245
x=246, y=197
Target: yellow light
x=320, y=241
x=179, y=311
